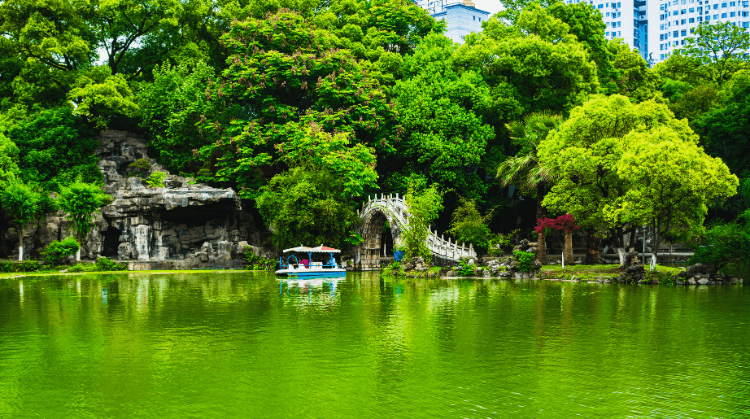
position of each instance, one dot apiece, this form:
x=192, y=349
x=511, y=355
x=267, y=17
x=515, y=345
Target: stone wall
x=186, y=223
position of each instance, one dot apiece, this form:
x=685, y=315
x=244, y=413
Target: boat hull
x=323, y=273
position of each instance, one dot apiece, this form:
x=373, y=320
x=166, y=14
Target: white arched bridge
x=379, y=241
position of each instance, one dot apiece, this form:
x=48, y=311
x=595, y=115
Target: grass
x=592, y=272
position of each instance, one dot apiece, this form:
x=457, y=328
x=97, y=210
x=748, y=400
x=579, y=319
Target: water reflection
x=248, y=344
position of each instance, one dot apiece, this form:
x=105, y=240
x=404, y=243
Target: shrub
x=469, y=226
x=29, y=266
x=501, y=242
x=395, y=269
x=105, y=264
x=257, y=263
x=7, y=266
x=141, y=165
x=82, y=267
x=465, y=268
x=723, y=244
x=156, y=180
x=56, y=251
x=525, y=260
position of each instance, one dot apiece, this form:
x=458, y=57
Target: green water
x=245, y=345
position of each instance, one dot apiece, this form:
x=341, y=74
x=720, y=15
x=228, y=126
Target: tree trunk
x=568, y=252
x=623, y=256
x=655, y=245
x=541, y=249
x=78, y=255
x=592, y=244
x=20, y=244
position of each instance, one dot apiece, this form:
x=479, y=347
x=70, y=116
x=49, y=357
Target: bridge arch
x=393, y=208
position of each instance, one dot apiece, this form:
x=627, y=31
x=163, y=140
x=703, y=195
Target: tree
x=534, y=65
x=469, y=226
x=311, y=202
x=524, y=170
x=565, y=223
x=630, y=75
x=585, y=21
x=80, y=201
x=445, y=137
x=284, y=75
x=8, y=161
x=721, y=47
x=170, y=108
x=587, y=152
x=724, y=128
x=424, y=206
x=22, y=204
x=55, y=148
x=671, y=183
x=724, y=243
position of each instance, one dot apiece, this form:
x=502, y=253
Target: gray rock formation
x=180, y=221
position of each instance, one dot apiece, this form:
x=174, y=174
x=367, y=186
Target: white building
x=626, y=20
x=461, y=18
x=676, y=19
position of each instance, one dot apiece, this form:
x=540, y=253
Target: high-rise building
x=676, y=20
x=461, y=18
x=627, y=20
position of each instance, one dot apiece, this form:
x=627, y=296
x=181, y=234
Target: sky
x=492, y=6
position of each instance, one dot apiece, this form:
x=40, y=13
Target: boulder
x=697, y=269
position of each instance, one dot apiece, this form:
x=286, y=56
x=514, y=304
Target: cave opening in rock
x=111, y=241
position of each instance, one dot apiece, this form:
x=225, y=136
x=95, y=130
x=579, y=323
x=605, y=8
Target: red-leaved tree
x=565, y=223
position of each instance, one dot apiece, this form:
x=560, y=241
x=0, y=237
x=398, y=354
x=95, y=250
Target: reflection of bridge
x=393, y=209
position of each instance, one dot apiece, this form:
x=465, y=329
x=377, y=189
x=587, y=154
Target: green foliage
x=306, y=206
x=171, y=107
x=98, y=95
x=720, y=47
x=21, y=203
x=469, y=226
x=257, y=263
x=29, y=266
x=725, y=129
x=82, y=267
x=56, y=147
x=395, y=269
x=142, y=165
x=8, y=160
x=354, y=238
x=525, y=260
x=724, y=243
x=441, y=111
x=105, y=264
x=630, y=75
x=288, y=81
x=80, y=201
x=424, y=206
x=620, y=163
x=57, y=251
x=499, y=243
x=7, y=266
x=156, y=180
x=464, y=268
x=559, y=77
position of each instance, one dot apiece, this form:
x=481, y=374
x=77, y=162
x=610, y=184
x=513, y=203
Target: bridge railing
x=396, y=207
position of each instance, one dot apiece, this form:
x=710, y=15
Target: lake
x=218, y=344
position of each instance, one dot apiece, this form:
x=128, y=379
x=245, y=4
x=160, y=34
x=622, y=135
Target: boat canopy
x=319, y=249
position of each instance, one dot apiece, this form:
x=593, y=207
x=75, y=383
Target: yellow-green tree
x=671, y=183
x=590, y=155
x=80, y=201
